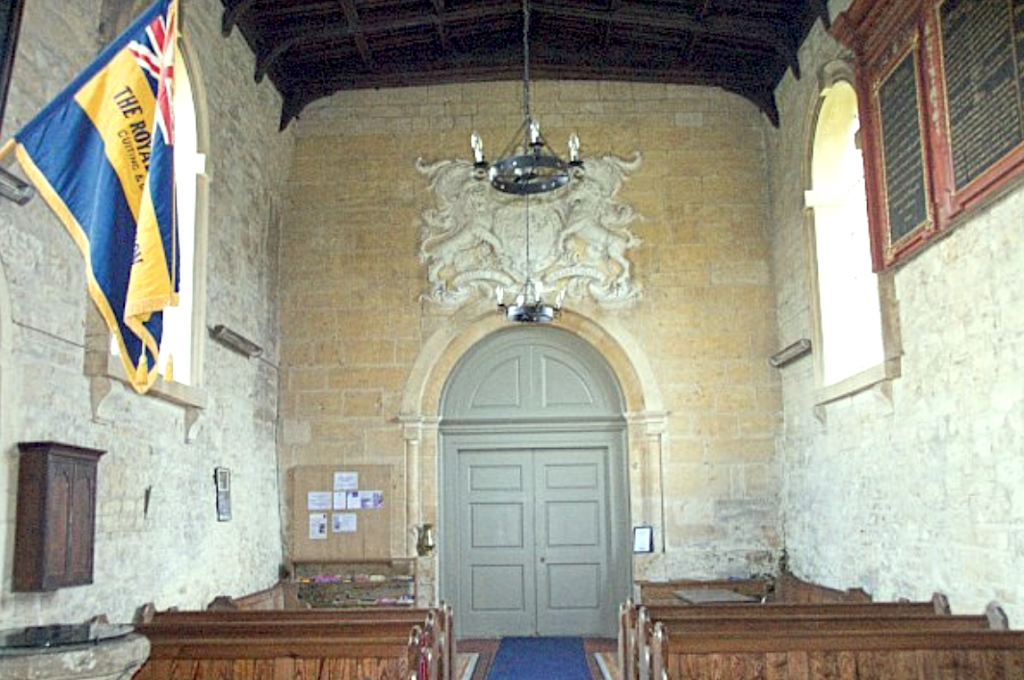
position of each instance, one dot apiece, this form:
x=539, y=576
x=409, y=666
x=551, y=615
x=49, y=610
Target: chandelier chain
x=529, y=266
x=526, y=62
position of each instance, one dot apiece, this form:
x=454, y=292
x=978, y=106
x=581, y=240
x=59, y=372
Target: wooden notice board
x=341, y=512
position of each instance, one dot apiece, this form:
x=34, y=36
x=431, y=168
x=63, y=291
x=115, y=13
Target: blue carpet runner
x=540, y=658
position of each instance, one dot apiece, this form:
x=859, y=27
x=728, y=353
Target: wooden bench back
x=657, y=592
x=818, y=622
x=876, y=655
x=282, y=645
x=754, y=610
x=787, y=588
x=724, y=622
x=256, y=630
x=412, y=615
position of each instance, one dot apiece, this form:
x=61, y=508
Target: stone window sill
x=104, y=371
x=859, y=382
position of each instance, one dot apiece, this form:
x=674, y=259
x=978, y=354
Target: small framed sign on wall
x=222, y=478
x=643, y=539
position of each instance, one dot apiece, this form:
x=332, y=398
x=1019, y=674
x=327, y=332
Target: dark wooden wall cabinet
x=53, y=542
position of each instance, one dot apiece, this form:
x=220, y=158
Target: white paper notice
x=340, y=503
x=318, y=526
x=352, y=500
x=318, y=500
x=343, y=523
x=346, y=481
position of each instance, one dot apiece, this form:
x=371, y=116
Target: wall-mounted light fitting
x=15, y=189
x=791, y=353
x=234, y=341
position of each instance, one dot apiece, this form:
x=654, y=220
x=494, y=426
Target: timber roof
x=312, y=48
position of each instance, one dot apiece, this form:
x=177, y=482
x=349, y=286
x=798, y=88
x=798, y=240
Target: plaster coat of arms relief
x=474, y=240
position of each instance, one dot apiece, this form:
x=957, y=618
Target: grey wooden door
x=573, y=591
x=534, y=541
x=534, y=537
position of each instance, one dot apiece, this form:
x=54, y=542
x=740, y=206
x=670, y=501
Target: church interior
x=783, y=275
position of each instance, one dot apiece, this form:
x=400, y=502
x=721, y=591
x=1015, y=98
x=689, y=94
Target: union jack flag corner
x=101, y=156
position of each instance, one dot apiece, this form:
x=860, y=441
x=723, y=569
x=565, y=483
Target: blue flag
x=101, y=156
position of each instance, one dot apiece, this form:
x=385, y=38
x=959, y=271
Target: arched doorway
x=534, y=487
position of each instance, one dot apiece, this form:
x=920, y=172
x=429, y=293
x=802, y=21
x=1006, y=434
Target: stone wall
x=157, y=535
x=364, y=358
x=914, y=486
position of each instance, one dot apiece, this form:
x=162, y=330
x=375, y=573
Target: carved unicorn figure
x=600, y=227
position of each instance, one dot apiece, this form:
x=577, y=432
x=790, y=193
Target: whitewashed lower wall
x=173, y=553
x=921, y=488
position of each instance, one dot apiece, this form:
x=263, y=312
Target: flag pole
x=7, y=148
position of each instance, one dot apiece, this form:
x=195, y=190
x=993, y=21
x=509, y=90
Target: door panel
x=572, y=538
x=533, y=542
x=497, y=588
x=573, y=587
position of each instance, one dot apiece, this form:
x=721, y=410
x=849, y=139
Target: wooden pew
x=275, y=645
x=820, y=622
x=412, y=615
x=341, y=657
x=864, y=655
x=636, y=623
x=938, y=605
x=790, y=589
x=663, y=592
x=629, y=651
x=423, y=661
x=784, y=588
x=281, y=595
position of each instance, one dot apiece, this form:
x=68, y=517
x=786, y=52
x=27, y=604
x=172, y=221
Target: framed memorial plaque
x=981, y=59
x=904, y=181
x=943, y=119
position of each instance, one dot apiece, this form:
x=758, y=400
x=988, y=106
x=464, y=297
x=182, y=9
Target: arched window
x=189, y=166
x=851, y=317
x=181, y=338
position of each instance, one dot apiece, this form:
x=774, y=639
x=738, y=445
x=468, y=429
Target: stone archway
x=645, y=422
x=534, y=510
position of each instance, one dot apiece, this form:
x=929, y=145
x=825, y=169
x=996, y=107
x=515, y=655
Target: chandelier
x=531, y=167
x=528, y=305
x=528, y=165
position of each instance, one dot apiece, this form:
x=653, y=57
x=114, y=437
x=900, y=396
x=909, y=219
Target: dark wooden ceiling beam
x=762, y=98
x=772, y=38
x=265, y=60
x=613, y=7
x=820, y=9
x=303, y=93
x=352, y=19
x=691, y=41
x=232, y=12
x=504, y=66
x=286, y=26
x=442, y=30
x=312, y=48
x=776, y=37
